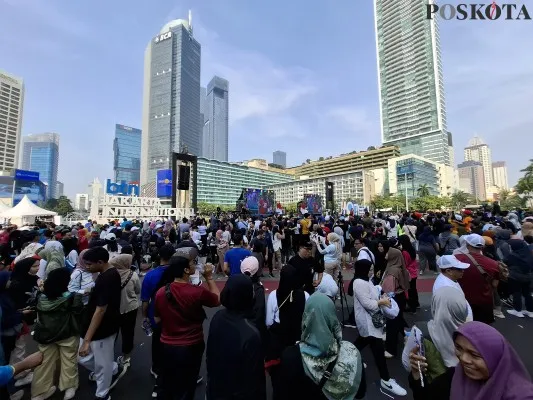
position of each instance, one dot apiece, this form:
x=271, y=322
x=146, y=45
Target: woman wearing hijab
x=332, y=254
x=395, y=282
x=488, y=369
x=112, y=246
x=83, y=239
x=81, y=280
x=70, y=249
x=257, y=316
x=366, y=303
x=411, y=264
x=427, y=250
x=236, y=344
x=321, y=350
x=129, y=303
x=285, y=308
x=380, y=251
x=53, y=258
x=520, y=264
x=222, y=247
x=11, y=318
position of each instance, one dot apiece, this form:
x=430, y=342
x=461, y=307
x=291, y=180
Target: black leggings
x=395, y=326
x=376, y=346
x=413, y=296
x=127, y=330
x=181, y=366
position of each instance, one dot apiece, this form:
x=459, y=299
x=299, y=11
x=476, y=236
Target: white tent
x=3, y=207
x=25, y=209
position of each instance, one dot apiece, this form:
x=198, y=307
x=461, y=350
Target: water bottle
x=147, y=327
x=391, y=295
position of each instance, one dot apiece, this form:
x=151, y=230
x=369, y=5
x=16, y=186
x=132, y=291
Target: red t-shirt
x=477, y=290
x=182, y=325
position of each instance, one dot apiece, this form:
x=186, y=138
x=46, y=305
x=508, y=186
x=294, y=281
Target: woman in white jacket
x=81, y=280
x=366, y=303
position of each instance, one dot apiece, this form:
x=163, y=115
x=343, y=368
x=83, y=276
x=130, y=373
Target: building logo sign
x=139, y=207
x=492, y=11
x=122, y=188
x=163, y=36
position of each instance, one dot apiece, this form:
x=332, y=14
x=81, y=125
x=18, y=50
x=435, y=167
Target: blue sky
x=302, y=76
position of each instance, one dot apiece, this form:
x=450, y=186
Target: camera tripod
x=342, y=297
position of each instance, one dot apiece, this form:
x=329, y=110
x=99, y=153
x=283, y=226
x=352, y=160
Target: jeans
x=181, y=365
x=519, y=290
x=376, y=346
x=395, y=326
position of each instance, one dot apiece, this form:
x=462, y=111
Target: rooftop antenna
x=190, y=22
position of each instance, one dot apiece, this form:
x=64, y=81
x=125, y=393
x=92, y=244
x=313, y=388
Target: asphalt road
x=137, y=383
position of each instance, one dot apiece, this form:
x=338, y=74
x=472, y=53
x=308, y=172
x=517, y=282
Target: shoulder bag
x=327, y=373
x=126, y=281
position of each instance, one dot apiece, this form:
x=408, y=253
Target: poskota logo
x=492, y=11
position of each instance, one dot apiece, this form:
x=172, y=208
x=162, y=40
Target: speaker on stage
x=329, y=191
x=184, y=177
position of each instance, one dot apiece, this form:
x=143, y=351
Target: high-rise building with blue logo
x=216, y=121
x=127, y=153
x=171, y=98
x=40, y=153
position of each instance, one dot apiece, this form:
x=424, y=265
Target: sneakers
x=528, y=313
x=199, y=380
x=69, y=394
x=24, y=381
x=46, y=395
x=499, y=314
x=120, y=373
x=392, y=387
x=388, y=355
x=125, y=362
x=518, y=314
x=155, y=391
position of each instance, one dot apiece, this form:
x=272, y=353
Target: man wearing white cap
x=480, y=279
x=451, y=270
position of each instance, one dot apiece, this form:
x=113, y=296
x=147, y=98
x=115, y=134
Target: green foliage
x=423, y=191
x=459, y=199
x=62, y=206
x=525, y=184
x=510, y=201
x=208, y=208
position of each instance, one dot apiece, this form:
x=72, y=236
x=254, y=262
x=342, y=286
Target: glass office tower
x=171, y=100
x=216, y=121
x=413, y=112
x=40, y=153
x=127, y=154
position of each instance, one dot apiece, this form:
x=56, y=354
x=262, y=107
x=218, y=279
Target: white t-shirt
x=443, y=281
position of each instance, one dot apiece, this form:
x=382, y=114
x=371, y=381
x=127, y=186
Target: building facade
x=356, y=185
x=171, y=98
x=411, y=90
x=127, y=154
x=354, y=161
x=60, y=189
x=221, y=183
x=478, y=150
x=279, y=158
x=216, y=120
x=499, y=174
x=40, y=153
x=81, y=202
x=472, y=179
x=11, y=110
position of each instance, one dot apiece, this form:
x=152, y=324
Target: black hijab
x=238, y=294
x=520, y=258
x=22, y=282
x=362, y=269
x=291, y=303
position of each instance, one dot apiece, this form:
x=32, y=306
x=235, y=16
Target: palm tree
x=528, y=170
x=423, y=190
x=459, y=199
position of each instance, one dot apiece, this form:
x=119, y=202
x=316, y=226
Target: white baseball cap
x=451, y=262
x=475, y=240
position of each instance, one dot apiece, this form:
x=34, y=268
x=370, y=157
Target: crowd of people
x=75, y=289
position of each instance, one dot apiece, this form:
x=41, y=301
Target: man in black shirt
x=102, y=324
x=306, y=267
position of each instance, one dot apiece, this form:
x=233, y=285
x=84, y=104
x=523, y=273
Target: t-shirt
x=234, y=258
x=305, y=224
x=106, y=292
x=476, y=289
x=148, y=290
x=181, y=324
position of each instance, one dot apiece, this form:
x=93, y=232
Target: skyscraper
x=216, y=121
x=499, y=174
x=478, y=150
x=171, y=99
x=11, y=105
x=203, y=96
x=279, y=158
x=40, y=153
x=411, y=92
x=127, y=154
x=60, y=189
x=472, y=179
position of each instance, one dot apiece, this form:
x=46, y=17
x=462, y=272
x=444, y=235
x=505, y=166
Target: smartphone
x=419, y=339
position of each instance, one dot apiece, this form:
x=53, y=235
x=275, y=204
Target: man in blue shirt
x=233, y=258
x=151, y=284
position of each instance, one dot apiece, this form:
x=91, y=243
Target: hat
x=467, y=212
x=110, y=236
x=327, y=218
x=135, y=228
x=488, y=240
x=458, y=217
x=475, y=240
x=190, y=253
x=445, y=262
x=158, y=226
x=250, y=264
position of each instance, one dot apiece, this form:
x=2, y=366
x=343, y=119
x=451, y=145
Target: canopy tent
x=25, y=209
x=3, y=207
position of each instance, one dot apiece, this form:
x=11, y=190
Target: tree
x=525, y=184
x=459, y=199
x=371, y=148
x=308, y=161
x=64, y=206
x=379, y=202
x=423, y=190
x=321, y=159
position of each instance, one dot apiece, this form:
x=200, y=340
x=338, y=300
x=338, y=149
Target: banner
x=164, y=183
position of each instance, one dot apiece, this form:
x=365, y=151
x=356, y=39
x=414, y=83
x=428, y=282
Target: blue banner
x=404, y=169
x=22, y=175
x=164, y=183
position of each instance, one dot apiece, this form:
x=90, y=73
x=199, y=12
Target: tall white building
x=478, y=150
x=81, y=202
x=499, y=173
x=11, y=108
x=411, y=89
x=216, y=120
